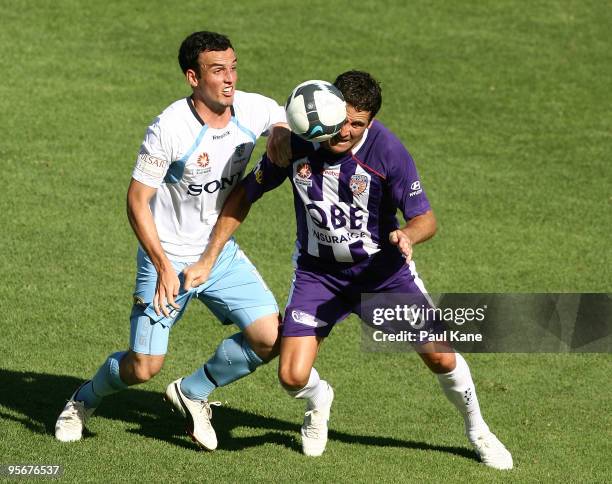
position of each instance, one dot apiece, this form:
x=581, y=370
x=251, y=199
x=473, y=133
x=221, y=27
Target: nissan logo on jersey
x=196, y=189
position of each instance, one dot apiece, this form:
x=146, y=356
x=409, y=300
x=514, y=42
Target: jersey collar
x=358, y=146
x=197, y=116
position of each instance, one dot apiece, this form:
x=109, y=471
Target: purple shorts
x=318, y=300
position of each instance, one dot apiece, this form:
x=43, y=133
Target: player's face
x=352, y=131
x=217, y=78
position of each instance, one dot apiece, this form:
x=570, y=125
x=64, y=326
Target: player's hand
x=167, y=289
x=196, y=274
x=278, y=146
x=403, y=243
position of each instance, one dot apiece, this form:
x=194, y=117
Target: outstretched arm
x=234, y=211
x=418, y=229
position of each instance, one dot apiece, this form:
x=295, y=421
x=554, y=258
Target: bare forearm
x=420, y=228
x=143, y=225
x=234, y=211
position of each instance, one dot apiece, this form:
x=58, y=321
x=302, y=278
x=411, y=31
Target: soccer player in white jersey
x=193, y=155
x=346, y=194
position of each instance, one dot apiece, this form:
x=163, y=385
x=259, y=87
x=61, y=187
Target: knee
x=440, y=362
x=292, y=378
x=144, y=373
x=142, y=368
x=265, y=338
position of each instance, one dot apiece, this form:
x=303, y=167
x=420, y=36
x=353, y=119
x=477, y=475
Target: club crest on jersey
x=303, y=174
x=239, y=151
x=358, y=184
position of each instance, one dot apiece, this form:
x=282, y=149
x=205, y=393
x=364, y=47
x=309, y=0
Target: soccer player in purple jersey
x=346, y=194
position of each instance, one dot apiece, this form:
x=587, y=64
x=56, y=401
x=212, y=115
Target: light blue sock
x=105, y=382
x=197, y=386
x=233, y=359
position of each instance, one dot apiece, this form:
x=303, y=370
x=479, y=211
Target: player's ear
x=192, y=77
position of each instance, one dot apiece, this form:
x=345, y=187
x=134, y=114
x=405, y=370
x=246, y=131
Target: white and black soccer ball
x=315, y=110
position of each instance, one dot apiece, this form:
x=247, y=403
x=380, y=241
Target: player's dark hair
x=360, y=90
x=199, y=42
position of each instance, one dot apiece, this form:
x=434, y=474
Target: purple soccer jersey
x=345, y=208
x=346, y=205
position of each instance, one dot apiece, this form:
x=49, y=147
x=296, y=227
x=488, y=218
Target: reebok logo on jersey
x=307, y=319
x=150, y=165
x=332, y=173
x=220, y=136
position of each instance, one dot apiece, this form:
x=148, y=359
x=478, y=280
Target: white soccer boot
x=492, y=452
x=314, y=430
x=71, y=422
x=197, y=413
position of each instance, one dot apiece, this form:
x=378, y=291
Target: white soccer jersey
x=194, y=167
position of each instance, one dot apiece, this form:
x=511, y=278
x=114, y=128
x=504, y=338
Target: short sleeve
x=264, y=177
x=154, y=157
x=403, y=179
x=269, y=112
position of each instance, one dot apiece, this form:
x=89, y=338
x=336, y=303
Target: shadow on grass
x=39, y=397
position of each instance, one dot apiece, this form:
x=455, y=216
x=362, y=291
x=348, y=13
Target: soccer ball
x=315, y=110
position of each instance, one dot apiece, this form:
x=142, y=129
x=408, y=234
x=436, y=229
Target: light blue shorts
x=234, y=293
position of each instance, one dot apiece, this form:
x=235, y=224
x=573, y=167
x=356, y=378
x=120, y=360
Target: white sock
x=315, y=392
x=459, y=389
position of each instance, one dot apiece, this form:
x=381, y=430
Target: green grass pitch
x=505, y=106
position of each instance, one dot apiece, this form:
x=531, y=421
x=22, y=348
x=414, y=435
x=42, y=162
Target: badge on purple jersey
x=358, y=184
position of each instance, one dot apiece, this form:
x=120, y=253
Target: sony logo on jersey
x=196, y=189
